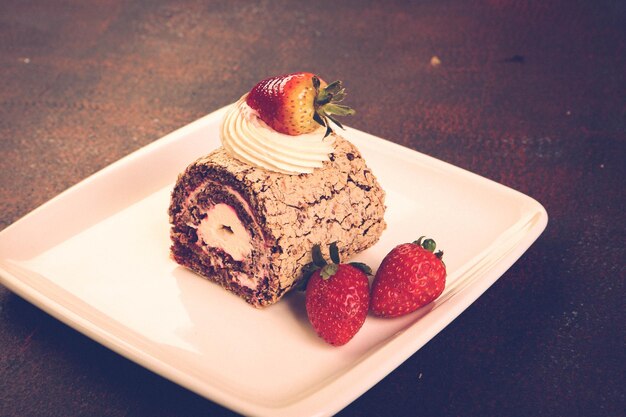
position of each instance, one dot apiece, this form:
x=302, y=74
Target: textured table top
x=531, y=96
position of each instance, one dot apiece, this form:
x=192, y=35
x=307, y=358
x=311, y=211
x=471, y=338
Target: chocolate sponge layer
x=284, y=216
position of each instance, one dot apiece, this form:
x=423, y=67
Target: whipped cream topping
x=248, y=138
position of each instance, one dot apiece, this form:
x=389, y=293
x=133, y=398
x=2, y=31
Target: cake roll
x=251, y=230
x=247, y=215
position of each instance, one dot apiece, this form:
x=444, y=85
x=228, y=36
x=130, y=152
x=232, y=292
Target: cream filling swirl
x=248, y=138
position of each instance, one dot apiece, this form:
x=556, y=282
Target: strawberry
x=337, y=297
x=298, y=103
x=409, y=277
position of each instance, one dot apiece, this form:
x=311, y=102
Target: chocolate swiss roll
x=251, y=230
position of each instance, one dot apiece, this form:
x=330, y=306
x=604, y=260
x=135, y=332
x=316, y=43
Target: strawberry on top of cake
x=283, y=123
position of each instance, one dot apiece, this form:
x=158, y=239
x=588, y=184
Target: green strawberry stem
x=326, y=269
x=329, y=270
x=429, y=245
x=326, y=107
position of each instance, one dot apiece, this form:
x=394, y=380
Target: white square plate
x=97, y=258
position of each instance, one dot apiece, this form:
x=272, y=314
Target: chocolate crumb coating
x=283, y=216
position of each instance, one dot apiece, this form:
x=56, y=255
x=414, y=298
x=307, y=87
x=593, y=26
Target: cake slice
x=246, y=215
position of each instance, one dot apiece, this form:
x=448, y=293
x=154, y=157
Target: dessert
x=247, y=214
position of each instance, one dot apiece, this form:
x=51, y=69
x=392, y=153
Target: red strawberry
x=298, y=103
x=409, y=277
x=337, y=298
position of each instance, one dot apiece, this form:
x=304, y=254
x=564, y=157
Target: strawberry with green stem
x=411, y=276
x=337, y=296
x=298, y=103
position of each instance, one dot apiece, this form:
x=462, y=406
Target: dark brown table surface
x=529, y=94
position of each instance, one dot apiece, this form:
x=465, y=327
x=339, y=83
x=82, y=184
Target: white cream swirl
x=248, y=138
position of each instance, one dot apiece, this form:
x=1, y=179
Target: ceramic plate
x=96, y=257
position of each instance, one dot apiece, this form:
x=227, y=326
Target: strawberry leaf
x=326, y=107
x=316, y=82
x=335, y=121
x=334, y=252
x=305, y=275
x=319, y=119
x=318, y=258
x=362, y=267
x=334, y=87
x=338, y=110
x=339, y=95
